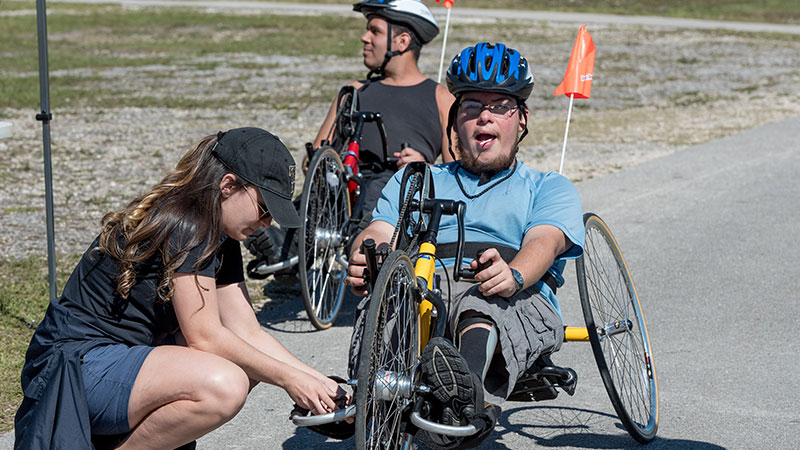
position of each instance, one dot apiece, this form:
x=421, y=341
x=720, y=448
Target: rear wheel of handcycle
x=325, y=210
x=389, y=353
x=617, y=331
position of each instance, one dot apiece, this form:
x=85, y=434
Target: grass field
x=24, y=296
x=93, y=48
x=771, y=11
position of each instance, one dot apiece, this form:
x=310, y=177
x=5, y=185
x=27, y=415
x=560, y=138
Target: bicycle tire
x=391, y=319
x=618, y=331
x=325, y=210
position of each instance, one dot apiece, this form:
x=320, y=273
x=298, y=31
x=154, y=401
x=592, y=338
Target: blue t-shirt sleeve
x=558, y=203
x=388, y=207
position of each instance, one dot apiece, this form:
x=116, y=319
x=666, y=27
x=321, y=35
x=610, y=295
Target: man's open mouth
x=484, y=140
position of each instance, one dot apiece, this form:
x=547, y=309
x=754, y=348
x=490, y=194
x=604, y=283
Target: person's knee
x=473, y=319
x=225, y=390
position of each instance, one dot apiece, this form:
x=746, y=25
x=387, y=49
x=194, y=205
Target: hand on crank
x=495, y=279
x=407, y=155
x=355, y=273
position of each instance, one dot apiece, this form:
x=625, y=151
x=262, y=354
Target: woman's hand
x=312, y=393
x=495, y=279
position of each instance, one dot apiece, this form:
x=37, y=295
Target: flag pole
x=566, y=132
x=444, y=42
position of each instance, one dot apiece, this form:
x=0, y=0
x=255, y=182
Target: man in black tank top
x=414, y=110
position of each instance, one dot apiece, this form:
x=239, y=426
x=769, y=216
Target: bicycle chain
x=403, y=208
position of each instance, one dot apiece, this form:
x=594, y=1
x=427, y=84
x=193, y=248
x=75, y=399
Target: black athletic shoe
x=271, y=246
x=452, y=384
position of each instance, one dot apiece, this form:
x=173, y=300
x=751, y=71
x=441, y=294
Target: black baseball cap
x=261, y=159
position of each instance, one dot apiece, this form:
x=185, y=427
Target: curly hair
x=185, y=204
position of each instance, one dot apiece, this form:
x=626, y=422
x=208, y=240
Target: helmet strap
x=380, y=72
x=451, y=119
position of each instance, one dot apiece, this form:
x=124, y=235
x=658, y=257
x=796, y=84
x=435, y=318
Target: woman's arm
x=196, y=306
x=237, y=315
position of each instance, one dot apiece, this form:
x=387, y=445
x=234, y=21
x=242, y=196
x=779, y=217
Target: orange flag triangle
x=578, y=79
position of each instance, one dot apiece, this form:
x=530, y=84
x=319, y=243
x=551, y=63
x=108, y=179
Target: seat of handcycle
x=541, y=380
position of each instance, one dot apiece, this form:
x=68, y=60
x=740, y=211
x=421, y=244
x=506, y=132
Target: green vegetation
x=24, y=293
x=771, y=11
x=160, y=43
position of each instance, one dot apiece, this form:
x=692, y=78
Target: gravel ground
x=656, y=90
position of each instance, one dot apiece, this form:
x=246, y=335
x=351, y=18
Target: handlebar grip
x=371, y=273
x=482, y=266
x=469, y=273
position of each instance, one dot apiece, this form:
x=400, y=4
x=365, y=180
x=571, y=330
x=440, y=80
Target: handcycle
x=406, y=309
x=331, y=208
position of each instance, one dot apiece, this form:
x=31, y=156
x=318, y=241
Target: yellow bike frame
x=424, y=269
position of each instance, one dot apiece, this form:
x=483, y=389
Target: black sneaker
x=264, y=245
x=453, y=385
x=271, y=246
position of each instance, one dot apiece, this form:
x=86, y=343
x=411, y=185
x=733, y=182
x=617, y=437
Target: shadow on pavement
x=285, y=311
x=304, y=439
x=559, y=426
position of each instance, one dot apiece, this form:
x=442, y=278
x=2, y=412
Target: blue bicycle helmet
x=492, y=68
x=488, y=68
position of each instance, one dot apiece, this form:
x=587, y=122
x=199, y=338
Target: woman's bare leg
x=180, y=394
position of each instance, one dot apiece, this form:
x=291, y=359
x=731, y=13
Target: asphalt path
x=710, y=235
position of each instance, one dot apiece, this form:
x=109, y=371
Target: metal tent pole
x=45, y=116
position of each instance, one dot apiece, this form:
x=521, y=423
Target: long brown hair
x=185, y=204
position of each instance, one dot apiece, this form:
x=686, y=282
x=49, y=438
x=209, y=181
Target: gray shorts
x=527, y=326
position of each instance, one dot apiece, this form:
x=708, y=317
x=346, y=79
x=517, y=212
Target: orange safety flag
x=446, y=3
x=578, y=79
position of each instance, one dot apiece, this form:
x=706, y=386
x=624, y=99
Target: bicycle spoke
x=619, y=335
x=326, y=209
x=392, y=353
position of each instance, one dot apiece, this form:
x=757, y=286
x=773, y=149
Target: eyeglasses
x=474, y=108
x=262, y=209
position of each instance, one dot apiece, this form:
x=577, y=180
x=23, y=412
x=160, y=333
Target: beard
x=485, y=170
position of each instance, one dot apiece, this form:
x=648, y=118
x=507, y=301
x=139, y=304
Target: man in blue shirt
x=531, y=222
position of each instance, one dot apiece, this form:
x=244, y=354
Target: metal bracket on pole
x=44, y=116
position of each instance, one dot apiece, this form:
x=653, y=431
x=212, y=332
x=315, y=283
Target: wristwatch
x=518, y=281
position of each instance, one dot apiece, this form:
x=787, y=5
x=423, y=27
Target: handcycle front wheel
x=389, y=354
x=617, y=331
x=325, y=210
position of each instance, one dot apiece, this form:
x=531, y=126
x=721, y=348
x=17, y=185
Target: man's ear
x=403, y=41
x=227, y=184
x=523, y=119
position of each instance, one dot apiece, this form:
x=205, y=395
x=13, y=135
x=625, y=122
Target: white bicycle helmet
x=412, y=14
